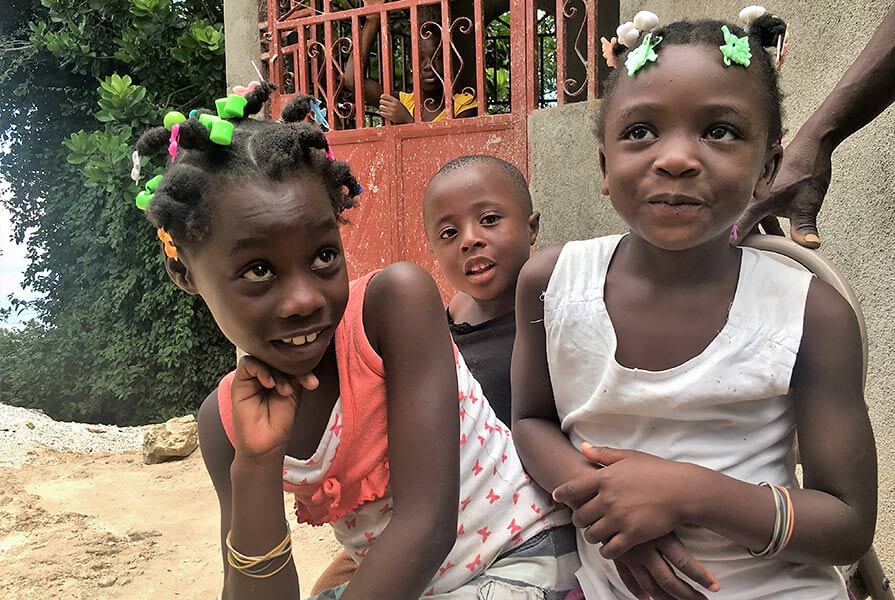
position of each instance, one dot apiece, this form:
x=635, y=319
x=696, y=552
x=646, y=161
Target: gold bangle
x=255, y=566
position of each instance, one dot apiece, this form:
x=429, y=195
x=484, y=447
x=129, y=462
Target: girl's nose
x=677, y=158
x=300, y=298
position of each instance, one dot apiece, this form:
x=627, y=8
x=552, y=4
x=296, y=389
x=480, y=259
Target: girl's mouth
x=302, y=345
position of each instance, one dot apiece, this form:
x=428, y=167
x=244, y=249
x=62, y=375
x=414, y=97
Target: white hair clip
x=135, y=169
x=750, y=13
x=628, y=33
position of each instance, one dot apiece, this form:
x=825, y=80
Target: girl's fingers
x=643, y=579
x=587, y=514
x=602, y=532
x=630, y=581
x=677, y=555
x=668, y=584
x=308, y=381
x=252, y=368
x=615, y=547
x=576, y=492
x=283, y=387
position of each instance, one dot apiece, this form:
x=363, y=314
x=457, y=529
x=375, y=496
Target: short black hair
x=274, y=150
x=513, y=175
x=764, y=32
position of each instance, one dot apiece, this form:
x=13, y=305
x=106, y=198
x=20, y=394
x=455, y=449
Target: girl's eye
x=325, y=258
x=639, y=133
x=447, y=233
x=258, y=272
x=721, y=133
x=490, y=219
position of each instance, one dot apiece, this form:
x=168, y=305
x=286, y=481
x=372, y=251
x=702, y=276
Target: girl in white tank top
x=659, y=378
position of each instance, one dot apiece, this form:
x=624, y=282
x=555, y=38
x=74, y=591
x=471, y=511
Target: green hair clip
x=231, y=107
x=144, y=198
x=735, y=49
x=642, y=54
x=219, y=131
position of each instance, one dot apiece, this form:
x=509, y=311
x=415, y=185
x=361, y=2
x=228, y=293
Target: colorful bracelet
x=784, y=521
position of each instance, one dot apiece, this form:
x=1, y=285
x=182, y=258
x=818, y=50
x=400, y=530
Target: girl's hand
x=634, y=498
x=264, y=403
x=646, y=571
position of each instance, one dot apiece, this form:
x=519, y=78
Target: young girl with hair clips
x=682, y=366
x=349, y=394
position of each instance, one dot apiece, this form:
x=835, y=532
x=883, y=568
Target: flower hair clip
x=735, y=49
x=643, y=54
x=627, y=35
x=608, y=53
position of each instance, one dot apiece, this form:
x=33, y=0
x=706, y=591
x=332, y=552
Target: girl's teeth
x=301, y=340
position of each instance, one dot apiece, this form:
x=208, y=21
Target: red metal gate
x=308, y=45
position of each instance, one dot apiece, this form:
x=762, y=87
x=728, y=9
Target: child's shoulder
x=398, y=279
x=827, y=311
x=577, y=257
x=398, y=292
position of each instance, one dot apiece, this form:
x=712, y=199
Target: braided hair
x=764, y=32
x=275, y=150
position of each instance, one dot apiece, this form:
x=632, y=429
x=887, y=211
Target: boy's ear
x=534, y=226
x=604, y=184
x=769, y=171
x=180, y=275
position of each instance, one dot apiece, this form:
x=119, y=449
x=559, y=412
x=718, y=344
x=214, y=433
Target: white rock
x=176, y=438
x=646, y=20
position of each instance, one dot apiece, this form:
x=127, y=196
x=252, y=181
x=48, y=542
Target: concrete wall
x=855, y=223
x=242, y=44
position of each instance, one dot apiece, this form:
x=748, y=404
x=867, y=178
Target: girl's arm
x=835, y=514
x=550, y=458
x=250, y=494
x=405, y=323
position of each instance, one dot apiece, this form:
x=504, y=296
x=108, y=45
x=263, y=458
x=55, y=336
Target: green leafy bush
x=114, y=341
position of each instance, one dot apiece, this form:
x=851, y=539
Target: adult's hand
x=798, y=191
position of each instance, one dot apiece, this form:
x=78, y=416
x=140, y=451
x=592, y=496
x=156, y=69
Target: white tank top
x=726, y=409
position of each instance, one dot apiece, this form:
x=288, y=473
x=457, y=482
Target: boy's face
x=479, y=229
x=271, y=270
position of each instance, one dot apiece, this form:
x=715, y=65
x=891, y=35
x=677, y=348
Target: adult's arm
x=865, y=90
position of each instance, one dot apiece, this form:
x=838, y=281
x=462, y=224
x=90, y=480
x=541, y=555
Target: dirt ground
x=109, y=527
